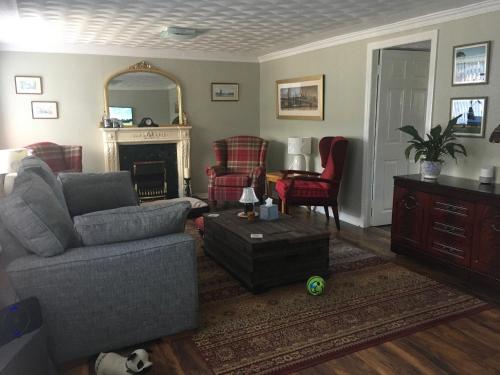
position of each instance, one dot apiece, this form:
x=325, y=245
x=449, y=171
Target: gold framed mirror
x=144, y=95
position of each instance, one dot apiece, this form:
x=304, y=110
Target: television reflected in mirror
x=125, y=114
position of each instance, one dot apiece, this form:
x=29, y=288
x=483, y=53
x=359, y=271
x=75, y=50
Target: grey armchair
x=104, y=297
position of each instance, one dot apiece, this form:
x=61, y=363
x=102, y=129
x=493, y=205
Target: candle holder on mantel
x=187, y=186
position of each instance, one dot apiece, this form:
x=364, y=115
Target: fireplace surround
x=180, y=135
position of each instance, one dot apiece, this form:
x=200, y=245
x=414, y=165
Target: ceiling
x=243, y=27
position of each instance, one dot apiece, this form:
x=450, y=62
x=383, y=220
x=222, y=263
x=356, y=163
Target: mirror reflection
x=136, y=97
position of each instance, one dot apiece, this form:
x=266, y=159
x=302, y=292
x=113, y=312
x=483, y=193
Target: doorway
x=400, y=86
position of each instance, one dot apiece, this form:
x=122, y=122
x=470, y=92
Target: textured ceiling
x=236, y=26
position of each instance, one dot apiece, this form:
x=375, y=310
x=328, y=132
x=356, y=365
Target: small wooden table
x=289, y=251
x=271, y=178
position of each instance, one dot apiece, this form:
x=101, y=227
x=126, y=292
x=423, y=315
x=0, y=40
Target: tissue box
x=269, y=212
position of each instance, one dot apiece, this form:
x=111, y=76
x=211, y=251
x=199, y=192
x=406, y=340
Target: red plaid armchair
x=317, y=189
x=241, y=162
x=59, y=158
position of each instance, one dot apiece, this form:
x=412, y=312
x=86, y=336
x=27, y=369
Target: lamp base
x=297, y=162
x=244, y=214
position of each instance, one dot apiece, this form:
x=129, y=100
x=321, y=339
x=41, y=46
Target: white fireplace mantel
x=180, y=135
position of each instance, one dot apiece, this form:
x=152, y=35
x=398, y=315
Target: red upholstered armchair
x=317, y=189
x=241, y=162
x=59, y=158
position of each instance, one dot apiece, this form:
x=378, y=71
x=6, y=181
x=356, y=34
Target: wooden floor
x=465, y=346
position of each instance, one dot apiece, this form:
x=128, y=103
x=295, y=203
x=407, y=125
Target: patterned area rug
x=367, y=301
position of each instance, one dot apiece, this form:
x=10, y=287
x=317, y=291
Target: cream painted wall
x=344, y=67
x=76, y=82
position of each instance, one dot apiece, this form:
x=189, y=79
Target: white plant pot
x=430, y=170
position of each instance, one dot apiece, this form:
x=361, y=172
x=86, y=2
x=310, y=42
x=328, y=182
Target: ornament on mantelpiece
x=495, y=136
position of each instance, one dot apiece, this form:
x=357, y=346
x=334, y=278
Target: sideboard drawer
x=449, y=210
x=451, y=246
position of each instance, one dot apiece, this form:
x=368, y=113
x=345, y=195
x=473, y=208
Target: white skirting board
x=354, y=220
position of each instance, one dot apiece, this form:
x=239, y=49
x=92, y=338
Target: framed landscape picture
x=471, y=64
x=44, y=110
x=472, y=112
x=300, y=98
x=28, y=84
x=225, y=92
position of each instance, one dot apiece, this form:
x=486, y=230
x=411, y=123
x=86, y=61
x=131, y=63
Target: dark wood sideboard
x=453, y=220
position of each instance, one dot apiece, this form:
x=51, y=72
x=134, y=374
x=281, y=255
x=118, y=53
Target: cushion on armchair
x=132, y=223
x=90, y=192
x=35, y=217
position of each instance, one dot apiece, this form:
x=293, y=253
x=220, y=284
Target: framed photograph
x=472, y=112
x=471, y=64
x=225, y=92
x=28, y=84
x=44, y=110
x=300, y=98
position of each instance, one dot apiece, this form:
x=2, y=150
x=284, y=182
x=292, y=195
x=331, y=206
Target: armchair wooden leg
x=327, y=213
x=335, y=210
x=284, y=207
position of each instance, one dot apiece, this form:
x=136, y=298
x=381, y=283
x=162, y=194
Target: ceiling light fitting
x=179, y=33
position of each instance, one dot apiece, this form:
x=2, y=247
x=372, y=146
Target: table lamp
x=9, y=164
x=248, y=198
x=300, y=149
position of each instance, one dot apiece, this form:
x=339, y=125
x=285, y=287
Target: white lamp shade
x=10, y=159
x=299, y=145
x=248, y=196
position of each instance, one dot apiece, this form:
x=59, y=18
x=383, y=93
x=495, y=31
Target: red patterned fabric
x=242, y=156
x=310, y=189
x=303, y=188
x=58, y=157
x=241, y=180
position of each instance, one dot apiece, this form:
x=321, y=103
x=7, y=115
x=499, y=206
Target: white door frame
x=369, y=122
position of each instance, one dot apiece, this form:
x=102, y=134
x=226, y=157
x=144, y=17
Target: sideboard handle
x=413, y=200
x=495, y=228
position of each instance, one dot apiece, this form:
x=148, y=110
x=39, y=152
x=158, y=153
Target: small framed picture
x=472, y=112
x=300, y=98
x=225, y=92
x=44, y=110
x=471, y=64
x=28, y=84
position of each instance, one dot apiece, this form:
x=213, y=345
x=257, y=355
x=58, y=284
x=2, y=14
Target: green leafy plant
x=439, y=143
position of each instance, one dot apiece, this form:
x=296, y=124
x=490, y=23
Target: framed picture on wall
x=225, y=92
x=28, y=84
x=300, y=98
x=472, y=112
x=44, y=110
x=471, y=64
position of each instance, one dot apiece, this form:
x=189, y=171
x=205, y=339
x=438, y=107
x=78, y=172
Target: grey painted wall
x=76, y=82
x=344, y=67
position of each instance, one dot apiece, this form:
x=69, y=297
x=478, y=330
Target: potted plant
x=439, y=143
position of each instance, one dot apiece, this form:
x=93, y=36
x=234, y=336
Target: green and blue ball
x=315, y=285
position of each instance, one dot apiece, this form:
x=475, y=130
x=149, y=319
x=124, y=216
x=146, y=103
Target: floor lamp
x=300, y=149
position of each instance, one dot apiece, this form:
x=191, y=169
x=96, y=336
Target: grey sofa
x=105, y=297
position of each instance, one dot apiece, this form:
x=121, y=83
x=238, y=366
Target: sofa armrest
x=91, y=192
x=216, y=170
x=100, y=298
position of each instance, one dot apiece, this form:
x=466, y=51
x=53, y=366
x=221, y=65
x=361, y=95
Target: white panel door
x=402, y=97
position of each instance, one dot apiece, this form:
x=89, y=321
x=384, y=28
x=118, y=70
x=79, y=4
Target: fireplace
x=165, y=143
x=151, y=166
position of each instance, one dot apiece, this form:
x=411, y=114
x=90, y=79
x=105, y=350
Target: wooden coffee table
x=289, y=251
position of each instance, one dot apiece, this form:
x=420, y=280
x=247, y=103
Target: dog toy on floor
x=114, y=364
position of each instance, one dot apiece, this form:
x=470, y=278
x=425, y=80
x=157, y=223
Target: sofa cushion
x=90, y=192
x=131, y=223
x=35, y=217
x=39, y=167
x=237, y=180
